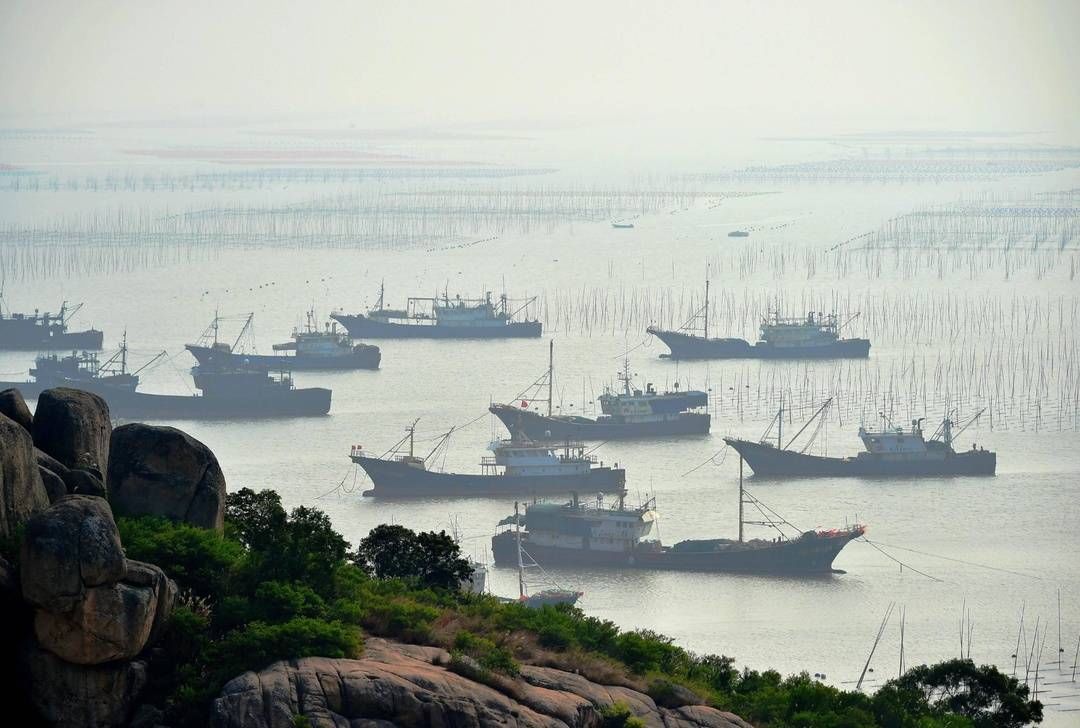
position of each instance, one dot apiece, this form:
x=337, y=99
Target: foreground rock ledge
x=395, y=684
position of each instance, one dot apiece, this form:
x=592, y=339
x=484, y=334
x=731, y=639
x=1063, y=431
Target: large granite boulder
x=162, y=471
x=405, y=686
x=14, y=407
x=22, y=492
x=73, y=426
x=111, y=622
x=77, y=696
x=70, y=547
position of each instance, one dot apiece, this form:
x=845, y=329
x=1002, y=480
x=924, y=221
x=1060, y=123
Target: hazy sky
x=788, y=66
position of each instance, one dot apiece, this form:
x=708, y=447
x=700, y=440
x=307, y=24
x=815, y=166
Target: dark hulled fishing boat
x=45, y=332
x=614, y=535
x=627, y=414
x=315, y=349
x=889, y=452
x=442, y=318
x=516, y=467
x=817, y=336
x=226, y=393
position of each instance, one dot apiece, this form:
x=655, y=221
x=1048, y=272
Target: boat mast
x=123, y=353
x=412, y=434
x=740, y=501
x=551, y=372
x=780, y=424
x=706, y=308
x=521, y=566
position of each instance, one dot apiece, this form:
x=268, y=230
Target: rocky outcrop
x=162, y=471
x=68, y=695
x=14, y=407
x=72, y=546
x=22, y=492
x=406, y=686
x=93, y=605
x=73, y=426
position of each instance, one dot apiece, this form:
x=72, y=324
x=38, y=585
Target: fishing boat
x=621, y=225
x=313, y=349
x=443, y=317
x=815, y=336
x=738, y=234
x=614, y=535
x=224, y=393
x=629, y=413
x=887, y=452
x=82, y=370
x=45, y=331
x=515, y=467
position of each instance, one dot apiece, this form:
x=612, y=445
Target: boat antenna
x=551, y=373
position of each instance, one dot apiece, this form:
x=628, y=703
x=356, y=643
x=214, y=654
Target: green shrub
x=617, y=715
x=198, y=559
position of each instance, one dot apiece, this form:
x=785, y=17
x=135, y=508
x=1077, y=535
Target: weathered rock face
x=71, y=546
x=54, y=484
x=162, y=471
x=73, y=426
x=84, y=482
x=398, y=685
x=22, y=492
x=77, y=696
x=112, y=622
x=14, y=406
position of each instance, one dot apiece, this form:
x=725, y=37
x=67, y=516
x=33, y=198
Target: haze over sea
x=946, y=308
x=914, y=169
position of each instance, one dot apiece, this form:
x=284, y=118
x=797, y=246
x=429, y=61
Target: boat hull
x=363, y=327
x=811, y=553
x=771, y=462
x=367, y=357
x=396, y=479
x=126, y=404
x=687, y=346
x=14, y=338
x=537, y=427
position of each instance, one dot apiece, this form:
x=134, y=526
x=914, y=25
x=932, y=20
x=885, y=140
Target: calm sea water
x=990, y=546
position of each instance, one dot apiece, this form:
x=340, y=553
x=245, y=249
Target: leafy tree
x=256, y=519
x=430, y=559
x=983, y=694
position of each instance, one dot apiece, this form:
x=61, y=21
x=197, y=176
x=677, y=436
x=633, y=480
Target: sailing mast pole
x=551, y=372
x=521, y=566
x=740, y=500
x=706, y=309
x=780, y=424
